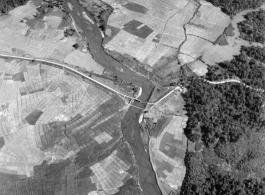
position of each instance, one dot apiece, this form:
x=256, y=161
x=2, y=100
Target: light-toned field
x=198, y=68
x=208, y=23
x=167, y=149
x=23, y=34
x=151, y=30
x=39, y=40
x=164, y=26
x=109, y=174
x=192, y=49
x=84, y=60
x=167, y=153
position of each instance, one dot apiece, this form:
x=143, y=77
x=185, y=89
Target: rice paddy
x=153, y=30
x=48, y=115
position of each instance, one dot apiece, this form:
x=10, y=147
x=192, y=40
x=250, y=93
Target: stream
x=129, y=125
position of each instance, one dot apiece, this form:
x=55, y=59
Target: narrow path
x=224, y=81
x=233, y=81
x=168, y=94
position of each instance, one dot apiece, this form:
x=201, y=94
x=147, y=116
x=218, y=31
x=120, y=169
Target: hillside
x=226, y=123
x=253, y=27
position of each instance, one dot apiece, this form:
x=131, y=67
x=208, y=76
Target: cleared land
x=198, y=67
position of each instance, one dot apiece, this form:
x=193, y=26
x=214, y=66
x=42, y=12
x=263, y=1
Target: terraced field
x=50, y=117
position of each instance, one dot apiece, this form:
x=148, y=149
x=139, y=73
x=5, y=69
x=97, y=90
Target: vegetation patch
x=221, y=40
x=246, y=67
x=229, y=31
x=253, y=28
x=228, y=120
x=136, y=7
x=221, y=113
x=232, y=7
x=99, y=10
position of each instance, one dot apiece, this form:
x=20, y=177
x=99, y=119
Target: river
x=130, y=126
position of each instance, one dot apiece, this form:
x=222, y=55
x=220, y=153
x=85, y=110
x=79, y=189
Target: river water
x=130, y=126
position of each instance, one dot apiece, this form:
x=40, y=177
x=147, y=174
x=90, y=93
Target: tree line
x=6, y=5
x=253, y=27
x=232, y=7
x=229, y=120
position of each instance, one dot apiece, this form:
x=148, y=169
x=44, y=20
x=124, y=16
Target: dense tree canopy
x=247, y=67
x=229, y=120
x=221, y=112
x=232, y=7
x=253, y=28
x=257, y=53
x=210, y=180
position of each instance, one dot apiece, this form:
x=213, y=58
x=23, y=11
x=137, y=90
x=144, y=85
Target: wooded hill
x=247, y=67
x=253, y=27
x=229, y=120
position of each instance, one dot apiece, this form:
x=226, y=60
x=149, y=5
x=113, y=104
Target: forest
x=221, y=113
x=247, y=67
x=253, y=27
x=232, y=7
x=257, y=53
x=205, y=178
x=6, y=5
x=229, y=119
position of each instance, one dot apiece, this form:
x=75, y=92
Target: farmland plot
x=150, y=31
x=48, y=116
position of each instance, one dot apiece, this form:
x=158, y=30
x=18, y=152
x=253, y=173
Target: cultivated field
x=167, y=148
x=26, y=31
x=167, y=153
x=48, y=115
x=83, y=60
x=153, y=30
x=198, y=67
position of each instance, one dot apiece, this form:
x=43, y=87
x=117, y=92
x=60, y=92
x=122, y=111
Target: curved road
x=224, y=81
x=71, y=69
x=232, y=81
x=82, y=74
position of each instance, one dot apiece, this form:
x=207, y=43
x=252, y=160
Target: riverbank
x=129, y=125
